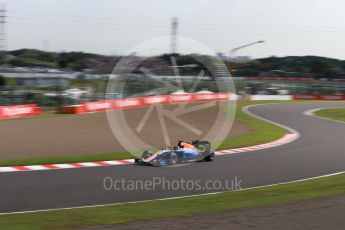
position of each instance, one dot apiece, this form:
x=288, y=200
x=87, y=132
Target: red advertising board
x=99, y=106
x=153, y=100
x=306, y=97
x=332, y=97
x=204, y=96
x=318, y=97
x=176, y=98
x=17, y=111
x=127, y=103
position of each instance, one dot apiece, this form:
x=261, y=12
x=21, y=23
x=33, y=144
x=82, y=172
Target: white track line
x=172, y=198
x=246, y=110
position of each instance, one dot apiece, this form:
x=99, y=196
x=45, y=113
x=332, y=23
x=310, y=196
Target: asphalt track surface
x=319, y=151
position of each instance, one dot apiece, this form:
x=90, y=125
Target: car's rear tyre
x=210, y=157
x=173, y=159
x=203, y=147
x=146, y=154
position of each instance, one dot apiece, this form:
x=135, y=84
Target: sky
x=113, y=27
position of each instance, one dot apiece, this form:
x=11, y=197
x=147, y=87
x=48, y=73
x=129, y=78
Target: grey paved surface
x=319, y=151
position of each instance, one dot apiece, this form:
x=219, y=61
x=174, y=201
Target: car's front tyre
x=173, y=159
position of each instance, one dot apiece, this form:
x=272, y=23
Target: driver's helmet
x=179, y=144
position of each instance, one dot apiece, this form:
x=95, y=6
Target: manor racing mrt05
x=184, y=152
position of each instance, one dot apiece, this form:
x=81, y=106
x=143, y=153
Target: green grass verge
x=261, y=132
x=113, y=214
x=335, y=114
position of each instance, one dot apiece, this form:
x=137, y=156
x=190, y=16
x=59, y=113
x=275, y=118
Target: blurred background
x=53, y=55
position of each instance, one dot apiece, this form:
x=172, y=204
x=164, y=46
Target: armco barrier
x=97, y=106
x=100, y=106
x=332, y=97
x=17, y=111
x=296, y=97
x=281, y=78
x=318, y=97
x=118, y=104
x=271, y=97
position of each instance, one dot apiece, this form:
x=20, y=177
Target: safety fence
x=118, y=104
x=28, y=110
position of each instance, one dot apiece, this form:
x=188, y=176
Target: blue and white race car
x=184, y=152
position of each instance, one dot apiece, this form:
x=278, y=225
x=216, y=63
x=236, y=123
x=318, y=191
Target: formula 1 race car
x=184, y=152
